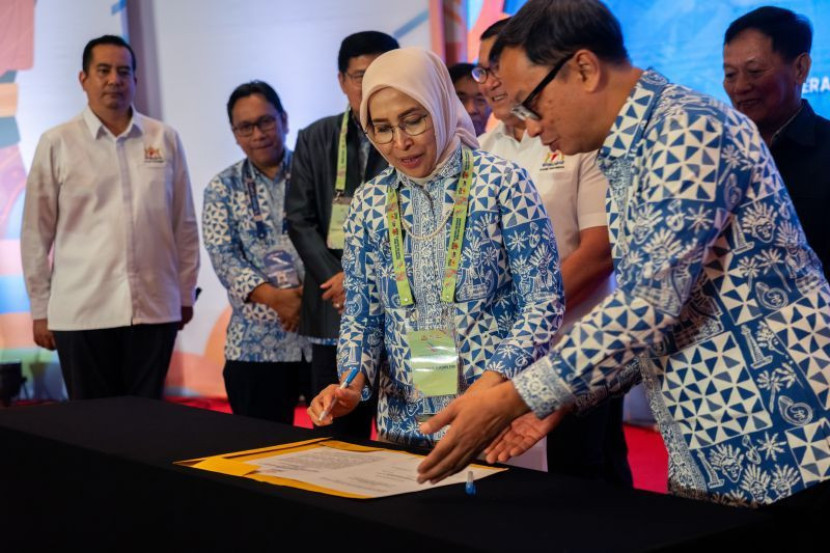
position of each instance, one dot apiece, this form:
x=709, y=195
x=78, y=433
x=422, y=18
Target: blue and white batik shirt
x=721, y=304
x=238, y=255
x=508, y=298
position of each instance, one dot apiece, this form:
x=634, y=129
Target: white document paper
x=367, y=473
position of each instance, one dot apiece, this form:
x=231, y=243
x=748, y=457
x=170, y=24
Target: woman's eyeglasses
x=412, y=126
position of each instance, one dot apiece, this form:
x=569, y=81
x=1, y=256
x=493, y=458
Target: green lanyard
x=340, y=182
x=459, y=220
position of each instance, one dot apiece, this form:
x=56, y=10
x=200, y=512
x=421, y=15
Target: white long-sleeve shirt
x=119, y=213
x=573, y=191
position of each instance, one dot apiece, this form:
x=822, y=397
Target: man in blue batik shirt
x=246, y=236
x=721, y=307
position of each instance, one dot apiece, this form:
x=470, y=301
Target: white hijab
x=422, y=76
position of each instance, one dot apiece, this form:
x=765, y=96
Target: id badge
x=336, y=239
x=281, y=271
x=434, y=362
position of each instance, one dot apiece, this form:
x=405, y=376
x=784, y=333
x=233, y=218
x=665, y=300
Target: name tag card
x=336, y=238
x=434, y=362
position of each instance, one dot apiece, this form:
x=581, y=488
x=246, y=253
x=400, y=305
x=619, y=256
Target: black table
x=100, y=475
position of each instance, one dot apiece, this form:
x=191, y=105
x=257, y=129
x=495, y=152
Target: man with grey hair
x=766, y=61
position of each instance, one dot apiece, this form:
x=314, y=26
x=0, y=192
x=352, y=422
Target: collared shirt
x=238, y=255
x=508, y=294
x=119, y=213
x=802, y=155
x=573, y=192
x=719, y=298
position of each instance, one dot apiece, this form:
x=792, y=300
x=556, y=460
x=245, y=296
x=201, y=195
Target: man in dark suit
x=766, y=62
x=332, y=158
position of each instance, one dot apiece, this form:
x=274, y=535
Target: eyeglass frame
x=488, y=72
x=263, y=124
x=399, y=126
x=356, y=79
x=523, y=111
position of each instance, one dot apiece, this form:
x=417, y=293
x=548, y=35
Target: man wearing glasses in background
x=331, y=159
x=573, y=192
x=470, y=95
x=246, y=236
x=721, y=307
x=109, y=191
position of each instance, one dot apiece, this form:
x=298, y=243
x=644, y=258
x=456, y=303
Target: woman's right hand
x=347, y=401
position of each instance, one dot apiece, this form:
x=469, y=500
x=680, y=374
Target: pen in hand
x=343, y=385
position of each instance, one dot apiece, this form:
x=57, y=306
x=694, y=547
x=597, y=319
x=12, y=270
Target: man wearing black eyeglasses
x=470, y=95
x=721, y=307
x=246, y=236
x=332, y=159
x=573, y=191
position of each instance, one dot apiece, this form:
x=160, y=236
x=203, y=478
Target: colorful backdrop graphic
x=195, y=51
x=40, y=46
x=684, y=39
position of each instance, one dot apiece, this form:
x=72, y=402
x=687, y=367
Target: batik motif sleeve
x=687, y=181
x=534, y=266
x=223, y=244
x=361, y=326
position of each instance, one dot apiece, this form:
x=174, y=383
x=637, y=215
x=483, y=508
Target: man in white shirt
x=573, y=191
x=109, y=195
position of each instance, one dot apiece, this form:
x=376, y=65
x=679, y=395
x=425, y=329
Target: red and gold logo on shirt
x=153, y=155
x=553, y=161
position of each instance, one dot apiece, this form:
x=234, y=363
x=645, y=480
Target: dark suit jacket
x=802, y=155
x=308, y=208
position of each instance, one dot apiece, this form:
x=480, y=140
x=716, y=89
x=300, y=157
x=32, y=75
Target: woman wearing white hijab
x=451, y=268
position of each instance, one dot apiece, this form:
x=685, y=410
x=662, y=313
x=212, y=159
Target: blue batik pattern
x=721, y=306
x=238, y=253
x=508, y=293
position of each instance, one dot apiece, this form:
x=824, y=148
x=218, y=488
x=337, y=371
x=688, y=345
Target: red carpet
x=646, y=452
x=648, y=458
